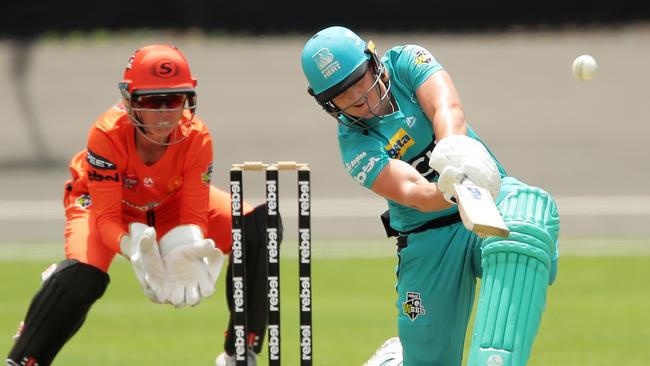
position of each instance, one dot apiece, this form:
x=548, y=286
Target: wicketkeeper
x=142, y=189
x=402, y=133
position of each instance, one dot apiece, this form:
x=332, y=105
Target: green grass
x=598, y=314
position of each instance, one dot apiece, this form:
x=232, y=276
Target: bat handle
x=467, y=182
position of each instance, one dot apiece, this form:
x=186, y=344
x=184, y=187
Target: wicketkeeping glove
x=141, y=249
x=192, y=263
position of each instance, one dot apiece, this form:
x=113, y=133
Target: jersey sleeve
x=105, y=167
x=197, y=174
x=414, y=64
x=363, y=156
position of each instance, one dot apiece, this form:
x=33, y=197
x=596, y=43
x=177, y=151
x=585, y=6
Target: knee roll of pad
x=532, y=217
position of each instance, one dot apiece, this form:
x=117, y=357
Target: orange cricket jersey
x=123, y=189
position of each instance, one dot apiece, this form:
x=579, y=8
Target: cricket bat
x=478, y=210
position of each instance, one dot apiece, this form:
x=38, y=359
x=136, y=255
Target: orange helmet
x=157, y=73
x=157, y=69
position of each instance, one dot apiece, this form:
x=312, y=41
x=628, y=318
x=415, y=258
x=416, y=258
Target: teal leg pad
x=516, y=272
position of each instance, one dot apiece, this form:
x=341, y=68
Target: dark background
x=33, y=18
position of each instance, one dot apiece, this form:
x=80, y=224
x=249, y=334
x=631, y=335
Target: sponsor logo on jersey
x=130, y=182
x=148, y=182
x=98, y=162
x=326, y=63
x=410, y=121
x=95, y=176
x=83, y=201
x=144, y=208
x=349, y=166
x=363, y=174
x=422, y=56
x=174, y=183
x=399, y=144
x=413, y=306
x=206, y=177
x=421, y=162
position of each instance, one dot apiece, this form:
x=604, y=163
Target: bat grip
x=467, y=182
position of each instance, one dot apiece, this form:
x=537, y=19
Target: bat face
x=478, y=210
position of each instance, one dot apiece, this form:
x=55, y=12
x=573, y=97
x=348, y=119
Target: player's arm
x=400, y=182
x=105, y=168
x=193, y=261
x=195, y=191
x=441, y=103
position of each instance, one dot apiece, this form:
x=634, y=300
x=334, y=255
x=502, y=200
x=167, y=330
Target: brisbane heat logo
x=326, y=63
x=165, y=68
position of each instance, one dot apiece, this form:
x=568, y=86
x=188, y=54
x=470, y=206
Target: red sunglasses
x=170, y=101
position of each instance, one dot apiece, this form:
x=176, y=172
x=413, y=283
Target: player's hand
x=457, y=157
x=192, y=263
x=141, y=249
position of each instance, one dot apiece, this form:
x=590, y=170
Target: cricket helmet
x=333, y=60
x=157, y=69
x=157, y=74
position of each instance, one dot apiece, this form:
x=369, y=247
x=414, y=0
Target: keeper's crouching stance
x=141, y=189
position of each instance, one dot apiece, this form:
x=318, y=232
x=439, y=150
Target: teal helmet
x=332, y=60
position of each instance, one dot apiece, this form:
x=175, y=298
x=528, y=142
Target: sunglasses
x=170, y=101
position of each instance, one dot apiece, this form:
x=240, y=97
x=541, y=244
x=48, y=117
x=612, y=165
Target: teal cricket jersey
x=406, y=134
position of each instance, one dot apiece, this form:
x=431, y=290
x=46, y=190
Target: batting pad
x=515, y=279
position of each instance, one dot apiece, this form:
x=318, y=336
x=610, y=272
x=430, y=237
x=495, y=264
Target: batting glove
x=457, y=157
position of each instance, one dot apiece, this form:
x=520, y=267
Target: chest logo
x=399, y=144
x=410, y=121
x=130, y=182
x=148, y=182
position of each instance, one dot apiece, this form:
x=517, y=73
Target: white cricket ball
x=584, y=67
